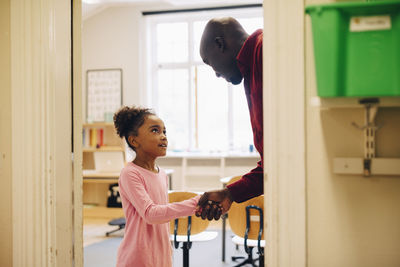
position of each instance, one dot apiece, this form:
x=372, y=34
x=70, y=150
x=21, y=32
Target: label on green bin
x=370, y=23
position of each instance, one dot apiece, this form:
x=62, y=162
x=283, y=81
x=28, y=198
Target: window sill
x=211, y=155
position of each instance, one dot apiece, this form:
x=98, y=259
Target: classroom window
x=201, y=112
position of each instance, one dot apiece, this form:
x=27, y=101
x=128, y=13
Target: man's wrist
x=228, y=194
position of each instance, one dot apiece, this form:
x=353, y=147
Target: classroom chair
x=246, y=221
x=226, y=181
x=114, y=201
x=120, y=222
x=187, y=230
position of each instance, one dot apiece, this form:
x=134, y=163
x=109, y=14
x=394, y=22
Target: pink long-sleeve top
x=144, y=196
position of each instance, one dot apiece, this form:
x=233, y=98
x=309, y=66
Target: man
x=234, y=55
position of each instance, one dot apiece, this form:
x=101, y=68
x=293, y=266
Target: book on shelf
x=101, y=137
x=86, y=137
x=93, y=137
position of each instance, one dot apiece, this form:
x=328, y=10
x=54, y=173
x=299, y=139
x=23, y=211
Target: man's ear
x=132, y=141
x=220, y=42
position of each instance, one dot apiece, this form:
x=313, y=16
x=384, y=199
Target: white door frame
x=77, y=122
x=46, y=183
x=284, y=133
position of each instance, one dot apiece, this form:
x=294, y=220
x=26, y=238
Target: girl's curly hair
x=127, y=121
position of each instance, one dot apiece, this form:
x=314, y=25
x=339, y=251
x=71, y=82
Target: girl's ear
x=132, y=141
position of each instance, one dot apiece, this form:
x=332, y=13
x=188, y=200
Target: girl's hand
x=213, y=204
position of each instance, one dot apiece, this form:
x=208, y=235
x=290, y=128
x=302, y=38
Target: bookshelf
x=99, y=137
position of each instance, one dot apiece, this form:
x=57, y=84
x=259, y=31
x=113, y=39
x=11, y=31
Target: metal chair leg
x=248, y=260
x=185, y=249
x=112, y=231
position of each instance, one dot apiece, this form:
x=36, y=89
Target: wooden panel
x=95, y=193
x=102, y=212
x=87, y=161
x=100, y=180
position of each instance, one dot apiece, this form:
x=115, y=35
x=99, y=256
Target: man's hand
x=213, y=204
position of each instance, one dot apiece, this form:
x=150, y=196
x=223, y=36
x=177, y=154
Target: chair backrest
x=197, y=224
x=237, y=217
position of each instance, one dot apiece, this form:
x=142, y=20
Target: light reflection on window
x=212, y=110
x=173, y=95
x=172, y=42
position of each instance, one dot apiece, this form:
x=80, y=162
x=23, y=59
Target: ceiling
x=92, y=7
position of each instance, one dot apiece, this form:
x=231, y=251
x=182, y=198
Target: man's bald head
x=220, y=44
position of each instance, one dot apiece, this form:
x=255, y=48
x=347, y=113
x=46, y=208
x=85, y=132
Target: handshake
x=213, y=204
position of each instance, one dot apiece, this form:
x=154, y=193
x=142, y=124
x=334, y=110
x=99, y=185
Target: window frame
x=150, y=89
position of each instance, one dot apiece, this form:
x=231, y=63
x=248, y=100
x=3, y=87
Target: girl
x=143, y=189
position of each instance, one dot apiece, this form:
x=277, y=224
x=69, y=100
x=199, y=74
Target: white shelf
x=351, y=102
x=98, y=124
x=196, y=155
x=103, y=149
x=379, y=166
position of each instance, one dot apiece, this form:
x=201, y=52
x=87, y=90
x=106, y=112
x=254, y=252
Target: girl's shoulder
x=130, y=171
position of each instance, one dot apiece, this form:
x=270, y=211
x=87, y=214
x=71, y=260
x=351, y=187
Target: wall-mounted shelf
x=369, y=165
x=379, y=166
x=350, y=102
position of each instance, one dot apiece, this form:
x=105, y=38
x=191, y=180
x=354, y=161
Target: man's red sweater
x=250, y=65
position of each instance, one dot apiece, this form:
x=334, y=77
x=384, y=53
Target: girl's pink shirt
x=144, y=196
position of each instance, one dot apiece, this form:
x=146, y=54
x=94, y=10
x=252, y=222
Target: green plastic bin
x=357, y=48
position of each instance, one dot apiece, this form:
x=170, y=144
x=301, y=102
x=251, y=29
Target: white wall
x=351, y=220
x=111, y=39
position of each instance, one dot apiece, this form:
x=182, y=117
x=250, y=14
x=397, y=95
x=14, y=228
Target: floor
x=94, y=230
x=100, y=250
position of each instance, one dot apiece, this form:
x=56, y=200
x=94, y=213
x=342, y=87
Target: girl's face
x=152, y=137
